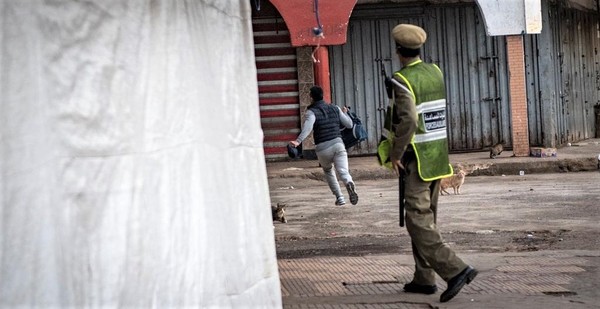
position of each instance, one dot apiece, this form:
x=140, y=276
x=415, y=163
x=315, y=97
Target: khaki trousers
x=431, y=254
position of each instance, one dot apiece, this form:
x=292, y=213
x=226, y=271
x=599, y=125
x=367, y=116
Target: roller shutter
x=473, y=63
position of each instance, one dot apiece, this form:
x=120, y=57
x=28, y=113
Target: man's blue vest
x=327, y=123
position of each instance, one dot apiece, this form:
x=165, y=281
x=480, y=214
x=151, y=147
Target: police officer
x=420, y=150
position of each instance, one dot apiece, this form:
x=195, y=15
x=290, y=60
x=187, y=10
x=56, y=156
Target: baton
x=401, y=196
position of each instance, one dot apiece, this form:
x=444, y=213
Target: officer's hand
x=294, y=143
x=397, y=165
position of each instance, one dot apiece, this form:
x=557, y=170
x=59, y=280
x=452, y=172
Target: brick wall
x=518, y=95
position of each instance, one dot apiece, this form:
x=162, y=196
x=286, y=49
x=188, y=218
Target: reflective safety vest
x=425, y=82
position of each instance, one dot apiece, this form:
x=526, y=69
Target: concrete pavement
x=539, y=279
x=542, y=279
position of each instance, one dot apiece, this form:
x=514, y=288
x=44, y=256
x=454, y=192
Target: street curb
x=372, y=171
x=532, y=167
x=495, y=169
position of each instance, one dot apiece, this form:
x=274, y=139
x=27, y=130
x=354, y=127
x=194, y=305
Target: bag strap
x=393, y=102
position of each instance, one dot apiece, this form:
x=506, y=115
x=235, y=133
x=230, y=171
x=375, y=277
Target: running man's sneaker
x=340, y=201
x=352, y=193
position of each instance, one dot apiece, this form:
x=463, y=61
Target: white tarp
x=132, y=172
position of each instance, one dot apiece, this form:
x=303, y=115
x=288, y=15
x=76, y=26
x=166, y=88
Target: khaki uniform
x=431, y=254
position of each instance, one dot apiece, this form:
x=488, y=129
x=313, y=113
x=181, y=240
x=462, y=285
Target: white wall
x=511, y=17
x=132, y=171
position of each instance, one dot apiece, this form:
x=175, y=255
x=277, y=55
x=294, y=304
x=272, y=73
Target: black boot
x=457, y=283
x=420, y=288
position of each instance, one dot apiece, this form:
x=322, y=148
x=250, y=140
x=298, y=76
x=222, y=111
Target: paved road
x=563, y=205
x=551, y=219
